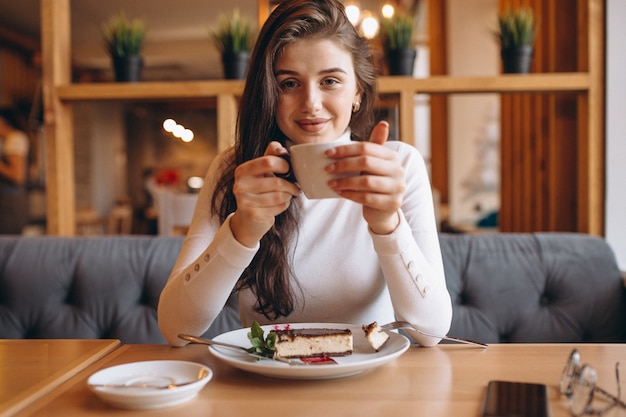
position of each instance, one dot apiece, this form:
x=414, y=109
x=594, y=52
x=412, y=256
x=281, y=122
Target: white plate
x=160, y=373
x=362, y=359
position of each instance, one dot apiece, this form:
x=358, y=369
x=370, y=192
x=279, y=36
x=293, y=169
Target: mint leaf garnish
x=260, y=345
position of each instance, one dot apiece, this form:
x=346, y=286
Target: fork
x=399, y=324
x=241, y=349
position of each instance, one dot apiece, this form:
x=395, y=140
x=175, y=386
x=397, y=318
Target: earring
x=356, y=106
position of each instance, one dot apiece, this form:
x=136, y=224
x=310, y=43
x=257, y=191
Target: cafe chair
x=175, y=211
x=120, y=220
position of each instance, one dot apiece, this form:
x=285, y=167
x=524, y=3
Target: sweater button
x=187, y=277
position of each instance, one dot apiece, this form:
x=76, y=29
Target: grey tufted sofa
x=79, y=287
x=544, y=287
x=504, y=288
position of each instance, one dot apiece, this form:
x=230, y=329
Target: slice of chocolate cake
x=313, y=343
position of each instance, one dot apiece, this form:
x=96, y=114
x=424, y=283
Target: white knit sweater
x=345, y=273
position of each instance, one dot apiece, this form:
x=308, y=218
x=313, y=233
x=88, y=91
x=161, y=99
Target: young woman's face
x=318, y=88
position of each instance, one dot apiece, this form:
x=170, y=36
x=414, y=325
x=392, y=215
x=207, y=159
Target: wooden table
x=448, y=380
x=30, y=369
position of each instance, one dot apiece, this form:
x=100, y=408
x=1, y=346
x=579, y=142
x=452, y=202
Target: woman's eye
x=288, y=84
x=330, y=82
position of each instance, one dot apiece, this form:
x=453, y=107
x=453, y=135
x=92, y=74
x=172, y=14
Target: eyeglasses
x=578, y=384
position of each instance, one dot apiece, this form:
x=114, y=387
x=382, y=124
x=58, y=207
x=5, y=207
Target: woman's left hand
x=380, y=185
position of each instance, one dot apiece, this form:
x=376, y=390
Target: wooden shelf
x=509, y=83
x=387, y=85
x=149, y=90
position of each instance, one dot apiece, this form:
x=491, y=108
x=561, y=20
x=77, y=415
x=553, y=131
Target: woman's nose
x=312, y=99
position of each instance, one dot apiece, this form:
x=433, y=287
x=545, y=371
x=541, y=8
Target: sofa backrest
x=79, y=287
x=542, y=287
x=504, y=288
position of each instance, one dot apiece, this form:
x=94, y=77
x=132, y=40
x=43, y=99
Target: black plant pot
x=235, y=65
x=517, y=60
x=127, y=68
x=401, y=61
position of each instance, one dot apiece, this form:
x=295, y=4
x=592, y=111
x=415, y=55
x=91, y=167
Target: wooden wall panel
x=540, y=145
x=19, y=78
x=58, y=119
x=438, y=103
x=591, y=138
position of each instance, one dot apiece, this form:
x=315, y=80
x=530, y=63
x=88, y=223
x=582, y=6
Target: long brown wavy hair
x=268, y=275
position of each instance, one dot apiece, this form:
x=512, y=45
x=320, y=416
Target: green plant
x=517, y=28
x=397, y=31
x=123, y=36
x=232, y=34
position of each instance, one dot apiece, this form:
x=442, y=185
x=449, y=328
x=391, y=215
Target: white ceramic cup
x=308, y=162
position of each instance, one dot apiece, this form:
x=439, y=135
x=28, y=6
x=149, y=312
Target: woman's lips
x=312, y=125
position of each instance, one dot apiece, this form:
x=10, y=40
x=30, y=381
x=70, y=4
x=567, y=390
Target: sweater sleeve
x=410, y=258
x=208, y=267
x=195, y=295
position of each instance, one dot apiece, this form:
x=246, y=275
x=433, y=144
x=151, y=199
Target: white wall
x=100, y=155
x=109, y=150
x=615, y=231
x=472, y=51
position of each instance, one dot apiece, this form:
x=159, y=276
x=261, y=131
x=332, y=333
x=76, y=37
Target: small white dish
x=144, y=385
x=363, y=357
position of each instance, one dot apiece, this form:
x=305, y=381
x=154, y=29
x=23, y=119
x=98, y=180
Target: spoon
x=153, y=382
x=143, y=385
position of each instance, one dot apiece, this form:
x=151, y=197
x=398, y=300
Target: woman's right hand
x=260, y=195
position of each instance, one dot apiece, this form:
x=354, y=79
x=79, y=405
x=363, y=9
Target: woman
x=14, y=146
x=371, y=255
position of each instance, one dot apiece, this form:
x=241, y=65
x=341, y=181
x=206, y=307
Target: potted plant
x=123, y=39
x=233, y=38
x=397, y=39
x=516, y=34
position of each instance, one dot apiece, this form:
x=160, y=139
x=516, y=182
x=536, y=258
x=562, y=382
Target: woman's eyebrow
x=331, y=70
x=322, y=72
x=285, y=72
